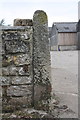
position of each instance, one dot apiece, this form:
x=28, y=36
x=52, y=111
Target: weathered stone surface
x=40, y=18
x=18, y=60
x=16, y=32
x=2, y=50
x=15, y=80
x=39, y=92
x=0, y=105
x=0, y=73
x=41, y=59
x=5, y=80
x=15, y=42
x=17, y=46
x=5, y=71
x=0, y=55
x=42, y=96
x=23, y=22
x=4, y=92
x=12, y=70
x=43, y=92
x=41, y=47
x=16, y=103
x=21, y=90
x=25, y=70
x=10, y=35
x=21, y=101
x=29, y=113
x=0, y=91
x=21, y=80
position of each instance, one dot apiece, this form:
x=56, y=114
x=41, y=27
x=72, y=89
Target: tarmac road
x=64, y=73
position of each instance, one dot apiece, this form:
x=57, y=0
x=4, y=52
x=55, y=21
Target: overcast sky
x=57, y=10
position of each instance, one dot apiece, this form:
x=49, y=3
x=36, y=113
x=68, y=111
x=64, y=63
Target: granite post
x=41, y=61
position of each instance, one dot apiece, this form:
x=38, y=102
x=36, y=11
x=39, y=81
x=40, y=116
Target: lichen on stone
x=40, y=17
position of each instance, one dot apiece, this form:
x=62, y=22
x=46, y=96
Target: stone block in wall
x=10, y=35
x=21, y=80
x=25, y=70
x=16, y=33
x=15, y=80
x=23, y=22
x=5, y=81
x=16, y=103
x=21, y=101
x=16, y=39
x=16, y=46
x=17, y=60
x=5, y=71
x=19, y=91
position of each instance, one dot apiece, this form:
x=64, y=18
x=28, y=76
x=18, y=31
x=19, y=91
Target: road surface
x=64, y=73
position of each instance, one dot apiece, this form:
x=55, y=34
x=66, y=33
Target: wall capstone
x=23, y=22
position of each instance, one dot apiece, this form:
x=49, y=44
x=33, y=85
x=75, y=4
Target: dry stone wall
x=17, y=66
x=25, y=67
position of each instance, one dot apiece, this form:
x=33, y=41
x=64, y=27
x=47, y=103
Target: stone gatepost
x=41, y=61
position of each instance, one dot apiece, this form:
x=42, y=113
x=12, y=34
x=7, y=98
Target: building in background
x=63, y=36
